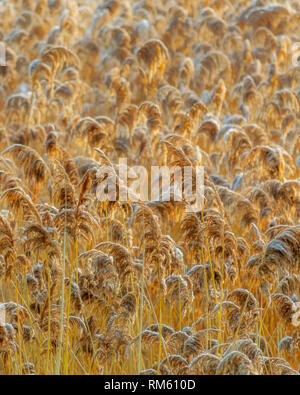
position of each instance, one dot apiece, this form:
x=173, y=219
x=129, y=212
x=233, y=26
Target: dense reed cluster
x=132, y=287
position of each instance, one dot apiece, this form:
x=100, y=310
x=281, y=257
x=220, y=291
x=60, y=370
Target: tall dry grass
x=88, y=287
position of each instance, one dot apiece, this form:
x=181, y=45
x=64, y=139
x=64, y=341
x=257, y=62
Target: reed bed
x=132, y=287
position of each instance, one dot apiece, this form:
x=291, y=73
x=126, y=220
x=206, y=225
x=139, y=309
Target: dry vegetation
x=125, y=288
